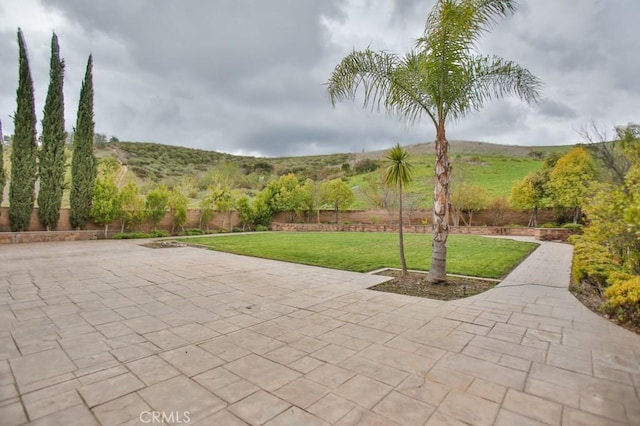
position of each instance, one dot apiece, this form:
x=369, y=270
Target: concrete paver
x=104, y=332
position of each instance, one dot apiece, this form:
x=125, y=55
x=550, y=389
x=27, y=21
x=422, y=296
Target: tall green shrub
x=24, y=150
x=106, y=203
x=178, y=205
x=83, y=162
x=156, y=204
x=51, y=164
x=132, y=211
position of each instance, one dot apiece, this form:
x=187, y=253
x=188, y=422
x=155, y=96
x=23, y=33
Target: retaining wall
x=547, y=234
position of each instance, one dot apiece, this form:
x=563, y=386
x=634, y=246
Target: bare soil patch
x=163, y=244
x=416, y=284
x=590, y=297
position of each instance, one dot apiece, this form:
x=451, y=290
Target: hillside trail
x=123, y=166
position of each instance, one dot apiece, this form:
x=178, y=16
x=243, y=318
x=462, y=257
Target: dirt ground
x=416, y=284
x=592, y=299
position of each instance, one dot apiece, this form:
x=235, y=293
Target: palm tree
x=443, y=78
x=398, y=173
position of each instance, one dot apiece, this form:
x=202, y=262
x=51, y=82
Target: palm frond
x=384, y=81
x=398, y=171
x=488, y=78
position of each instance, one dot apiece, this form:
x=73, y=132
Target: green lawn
x=368, y=251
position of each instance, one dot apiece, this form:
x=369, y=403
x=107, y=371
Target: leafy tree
x=178, y=209
x=2, y=176
x=338, y=195
x=51, y=160
x=607, y=255
x=223, y=199
x=24, y=149
x=469, y=198
x=613, y=209
x=245, y=212
x=132, y=204
x=207, y=212
x=262, y=214
x=313, y=194
x=288, y=195
x=156, y=204
x=529, y=194
x=83, y=162
x=569, y=180
x=284, y=194
x=398, y=173
x=443, y=78
x=106, y=204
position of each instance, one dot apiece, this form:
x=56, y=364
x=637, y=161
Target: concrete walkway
x=109, y=332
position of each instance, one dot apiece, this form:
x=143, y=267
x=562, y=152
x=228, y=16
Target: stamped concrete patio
x=107, y=332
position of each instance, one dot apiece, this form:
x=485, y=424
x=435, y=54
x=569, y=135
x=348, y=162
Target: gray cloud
x=247, y=77
x=555, y=109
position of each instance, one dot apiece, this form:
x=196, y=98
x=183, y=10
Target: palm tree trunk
x=403, y=262
x=437, y=272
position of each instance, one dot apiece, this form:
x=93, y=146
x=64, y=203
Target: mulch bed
x=163, y=244
x=592, y=299
x=416, y=284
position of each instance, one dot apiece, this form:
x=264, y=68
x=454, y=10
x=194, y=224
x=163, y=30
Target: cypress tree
x=2, y=178
x=24, y=150
x=83, y=162
x=51, y=164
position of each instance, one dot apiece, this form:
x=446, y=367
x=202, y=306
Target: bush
x=623, y=300
x=236, y=229
x=548, y=225
x=261, y=228
x=367, y=165
x=592, y=263
x=575, y=228
x=194, y=231
x=138, y=235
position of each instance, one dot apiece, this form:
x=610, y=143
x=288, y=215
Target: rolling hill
x=493, y=166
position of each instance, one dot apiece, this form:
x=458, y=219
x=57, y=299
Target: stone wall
x=547, y=234
x=193, y=221
x=419, y=217
x=354, y=220
x=44, y=236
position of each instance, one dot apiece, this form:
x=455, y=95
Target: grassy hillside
x=494, y=167
x=161, y=162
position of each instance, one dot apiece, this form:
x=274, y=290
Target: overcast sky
x=247, y=76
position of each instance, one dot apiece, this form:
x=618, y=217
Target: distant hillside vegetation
x=492, y=166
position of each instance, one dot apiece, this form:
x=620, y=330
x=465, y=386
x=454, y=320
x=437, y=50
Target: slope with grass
x=492, y=166
x=365, y=252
